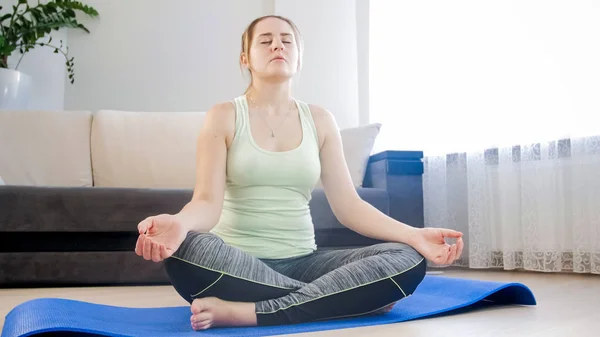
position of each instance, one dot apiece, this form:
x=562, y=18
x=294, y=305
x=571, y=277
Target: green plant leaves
x=26, y=25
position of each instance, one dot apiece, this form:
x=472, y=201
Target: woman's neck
x=274, y=98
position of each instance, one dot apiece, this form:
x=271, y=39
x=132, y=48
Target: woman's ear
x=244, y=60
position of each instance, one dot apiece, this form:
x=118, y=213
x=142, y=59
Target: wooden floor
x=568, y=305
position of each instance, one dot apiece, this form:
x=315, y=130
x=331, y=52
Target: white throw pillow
x=358, y=143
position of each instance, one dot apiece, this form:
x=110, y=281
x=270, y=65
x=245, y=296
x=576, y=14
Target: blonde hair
x=248, y=36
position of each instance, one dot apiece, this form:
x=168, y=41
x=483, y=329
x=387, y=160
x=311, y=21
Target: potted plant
x=25, y=28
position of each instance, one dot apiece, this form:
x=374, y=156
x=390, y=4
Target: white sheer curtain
x=534, y=207
x=503, y=99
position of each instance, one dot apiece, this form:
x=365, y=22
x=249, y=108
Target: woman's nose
x=277, y=45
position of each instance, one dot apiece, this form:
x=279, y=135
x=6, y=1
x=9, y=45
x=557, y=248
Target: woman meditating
x=242, y=250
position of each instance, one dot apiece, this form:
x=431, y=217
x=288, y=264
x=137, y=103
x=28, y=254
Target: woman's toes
x=203, y=316
x=201, y=325
x=390, y=307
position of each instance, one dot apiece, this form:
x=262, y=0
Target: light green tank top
x=265, y=211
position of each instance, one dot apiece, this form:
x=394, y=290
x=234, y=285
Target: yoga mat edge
x=435, y=296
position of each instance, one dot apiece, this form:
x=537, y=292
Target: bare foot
x=213, y=312
x=385, y=310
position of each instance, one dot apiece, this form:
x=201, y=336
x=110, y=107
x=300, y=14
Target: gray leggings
x=323, y=285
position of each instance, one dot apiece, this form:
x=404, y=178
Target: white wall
x=362, y=48
x=185, y=57
x=177, y=56
x=330, y=69
x=48, y=70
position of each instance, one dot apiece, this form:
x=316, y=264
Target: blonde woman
x=243, y=251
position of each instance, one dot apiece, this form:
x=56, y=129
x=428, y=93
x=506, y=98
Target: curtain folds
x=533, y=207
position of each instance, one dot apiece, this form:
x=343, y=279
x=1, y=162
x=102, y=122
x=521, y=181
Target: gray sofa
x=57, y=236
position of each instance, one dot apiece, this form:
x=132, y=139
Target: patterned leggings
x=323, y=285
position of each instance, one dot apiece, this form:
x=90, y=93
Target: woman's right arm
x=161, y=235
x=203, y=211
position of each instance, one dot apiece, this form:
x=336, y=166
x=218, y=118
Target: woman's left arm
x=360, y=216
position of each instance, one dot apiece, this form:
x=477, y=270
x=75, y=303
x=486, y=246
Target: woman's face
x=274, y=49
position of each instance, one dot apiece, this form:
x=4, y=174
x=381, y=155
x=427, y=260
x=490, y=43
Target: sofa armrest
x=400, y=173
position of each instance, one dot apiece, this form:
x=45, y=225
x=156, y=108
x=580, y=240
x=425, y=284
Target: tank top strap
x=308, y=120
x=241, y=115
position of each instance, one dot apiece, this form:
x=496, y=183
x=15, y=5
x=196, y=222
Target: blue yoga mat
x=436, y=295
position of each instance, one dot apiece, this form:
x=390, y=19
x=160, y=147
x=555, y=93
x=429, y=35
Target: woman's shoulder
x=222, y=111
x=322, y=116
x=222, y=108
x=226, y=110
x=220, y=118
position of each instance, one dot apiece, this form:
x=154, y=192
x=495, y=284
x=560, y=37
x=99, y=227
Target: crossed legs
x=228, y=287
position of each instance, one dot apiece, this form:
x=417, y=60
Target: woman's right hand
x=160, y=236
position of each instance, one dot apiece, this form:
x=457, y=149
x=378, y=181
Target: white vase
x=15, y=88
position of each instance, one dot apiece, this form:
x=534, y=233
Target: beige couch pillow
x=45, y=148
x=145, y=149
x=358, y=145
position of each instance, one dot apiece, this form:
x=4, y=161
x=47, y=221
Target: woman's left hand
x=431, y=243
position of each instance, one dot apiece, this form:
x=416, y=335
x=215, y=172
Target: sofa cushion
x=45, y=148
x=145, y=149
x=358, y=145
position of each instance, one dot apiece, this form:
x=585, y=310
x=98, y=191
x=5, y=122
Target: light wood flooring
x=568, y=305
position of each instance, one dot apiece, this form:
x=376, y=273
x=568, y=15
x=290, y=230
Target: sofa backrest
x=144, y=149
x=45, y=148
x=114, y=148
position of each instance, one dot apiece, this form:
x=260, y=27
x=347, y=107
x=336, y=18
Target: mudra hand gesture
x=431, y=243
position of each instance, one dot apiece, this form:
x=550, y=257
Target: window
x=449, y=76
